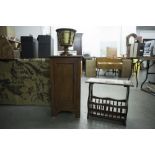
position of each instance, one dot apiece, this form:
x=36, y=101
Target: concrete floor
x=141, y=112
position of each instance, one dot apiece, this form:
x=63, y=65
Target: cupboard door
x=65, y=81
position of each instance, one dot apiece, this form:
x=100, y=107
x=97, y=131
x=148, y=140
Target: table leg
x=90, y=93
x=136, y=71
x=147, y=71
x=98, y=72
x=137, y=66
x=127, y=98
x=132, y=67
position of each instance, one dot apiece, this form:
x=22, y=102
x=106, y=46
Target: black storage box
x=27, y=47
x=44, y=46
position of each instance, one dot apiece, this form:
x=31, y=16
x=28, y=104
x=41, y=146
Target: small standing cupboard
x=65, y=84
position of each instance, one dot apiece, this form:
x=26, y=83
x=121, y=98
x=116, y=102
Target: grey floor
x=141, y=113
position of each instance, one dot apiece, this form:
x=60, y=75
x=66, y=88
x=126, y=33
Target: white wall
x=54, y=36
x=147, y=34
x=28, y=30
x=34, y=31
x=91, y=42
x=125, y=30
x=96, y=39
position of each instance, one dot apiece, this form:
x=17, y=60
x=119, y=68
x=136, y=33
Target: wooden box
x=90, y=68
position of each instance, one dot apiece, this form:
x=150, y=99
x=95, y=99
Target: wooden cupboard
x=65, y=84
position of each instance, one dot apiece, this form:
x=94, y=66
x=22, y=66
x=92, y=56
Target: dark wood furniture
x=65, y=84
x=108, y=63
x=106, y=107
x=77, y=46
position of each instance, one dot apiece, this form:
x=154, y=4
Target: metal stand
x=147, y=74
